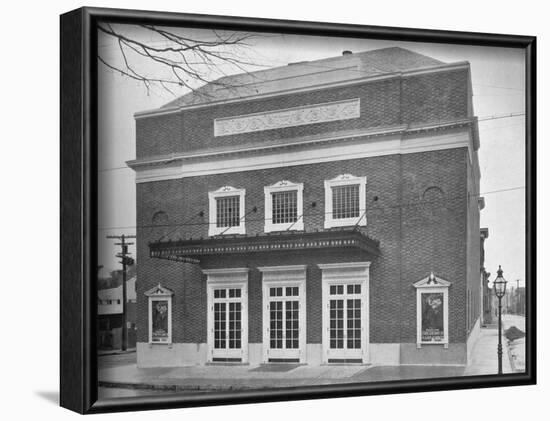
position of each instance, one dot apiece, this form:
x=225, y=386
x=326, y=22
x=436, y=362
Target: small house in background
x=109, y=316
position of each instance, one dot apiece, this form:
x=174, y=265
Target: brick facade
x=421, y=207
x=413, y=238
x=391, y=102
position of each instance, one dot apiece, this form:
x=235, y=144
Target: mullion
x=284, y=207
x=345, y=201
x=227, y=211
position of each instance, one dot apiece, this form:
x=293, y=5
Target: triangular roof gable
x=159, y=291
x=432, y=281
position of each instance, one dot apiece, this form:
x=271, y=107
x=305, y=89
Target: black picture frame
x=78, y=97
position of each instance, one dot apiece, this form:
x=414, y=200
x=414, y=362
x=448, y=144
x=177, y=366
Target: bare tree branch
x=178, y=60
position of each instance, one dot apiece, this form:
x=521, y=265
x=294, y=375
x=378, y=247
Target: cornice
x=402, y=130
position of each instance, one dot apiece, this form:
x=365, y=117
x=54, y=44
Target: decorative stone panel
x=309, y=114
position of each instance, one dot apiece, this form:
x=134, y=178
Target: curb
x=510, y=357
x=177, y=387
x=115, y=352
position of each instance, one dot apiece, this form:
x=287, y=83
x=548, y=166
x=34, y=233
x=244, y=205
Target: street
x=120, y=377
x=516, y=348
x=116, y=360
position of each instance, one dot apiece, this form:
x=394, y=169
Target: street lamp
x=499, y=286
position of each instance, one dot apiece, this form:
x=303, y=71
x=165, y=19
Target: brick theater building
x=320, y=212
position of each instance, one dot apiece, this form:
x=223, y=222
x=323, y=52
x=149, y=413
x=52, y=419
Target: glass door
x=345, y=314
x=284, y=323
x=228, y=329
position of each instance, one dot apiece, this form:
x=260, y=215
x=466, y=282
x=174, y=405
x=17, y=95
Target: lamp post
x=499, y=286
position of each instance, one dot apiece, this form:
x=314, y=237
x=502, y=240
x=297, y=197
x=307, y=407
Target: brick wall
x=414, y=99
x=433, y=236
x=473, y=249
x=416, y=208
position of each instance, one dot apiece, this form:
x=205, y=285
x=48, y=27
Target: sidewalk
x=223, y=377
x=240, y=377
x=484, y=354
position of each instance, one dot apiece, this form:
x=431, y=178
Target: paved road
x=113, y=392
x=117, y=360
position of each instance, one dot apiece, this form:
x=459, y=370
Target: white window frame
x=225, y=191
x=346, y=273
x=284, y=186
x=154, y=294
x=429, y=285
x=227, y=278
x=284, y=276
x=346, y=180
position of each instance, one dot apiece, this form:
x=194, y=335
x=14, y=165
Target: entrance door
x=227, y=307
x=284, y=313
x=345, y=322
x=345, y=312
x=284, y=323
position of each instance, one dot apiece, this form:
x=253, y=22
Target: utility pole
x=126, y=260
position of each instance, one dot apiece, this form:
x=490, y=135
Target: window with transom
x=227, y=318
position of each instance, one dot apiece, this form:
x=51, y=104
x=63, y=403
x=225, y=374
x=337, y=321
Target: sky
x=498, y=82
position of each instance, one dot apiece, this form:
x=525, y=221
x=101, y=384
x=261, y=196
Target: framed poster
x=259, y=210
x=433, y=327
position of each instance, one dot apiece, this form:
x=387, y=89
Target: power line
x=499, y=87
x=310, y=213
x=480, y=119
x=501, y=116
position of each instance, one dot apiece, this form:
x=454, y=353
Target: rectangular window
x=345, y=201
x=284, y=207
x=227, y=211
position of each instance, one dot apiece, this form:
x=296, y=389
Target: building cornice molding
x=405, y=130
x=158, y=112
x=337, y=147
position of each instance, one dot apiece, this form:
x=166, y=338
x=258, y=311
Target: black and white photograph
x=242, y=210
x=280, y=210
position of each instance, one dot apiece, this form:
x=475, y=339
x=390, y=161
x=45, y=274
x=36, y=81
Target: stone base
x=433, y=354
x=384, y=354
x=180, y=355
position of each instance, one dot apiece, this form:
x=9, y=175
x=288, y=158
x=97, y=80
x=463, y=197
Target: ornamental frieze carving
x=310, y=114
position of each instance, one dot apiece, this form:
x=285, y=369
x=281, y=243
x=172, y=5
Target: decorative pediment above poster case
x=432, y=281
x=159, y=291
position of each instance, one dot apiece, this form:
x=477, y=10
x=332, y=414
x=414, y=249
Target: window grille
x=284, y=207
x=345, y=201
x=227, y=211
